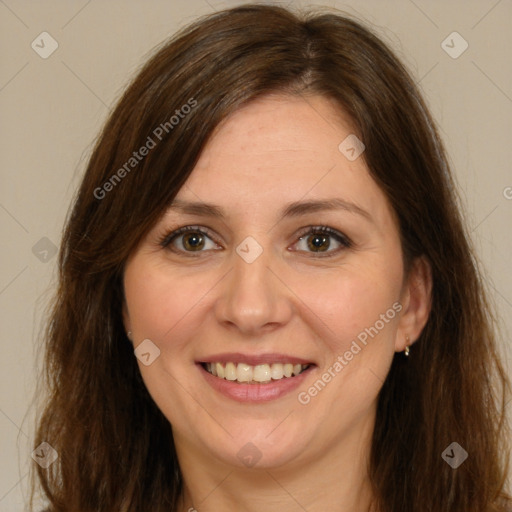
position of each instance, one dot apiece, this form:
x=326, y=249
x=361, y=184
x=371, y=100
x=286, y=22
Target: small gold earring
x=406, y=351
x=129, y=334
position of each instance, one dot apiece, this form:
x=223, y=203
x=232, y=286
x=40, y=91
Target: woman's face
x=291, y=262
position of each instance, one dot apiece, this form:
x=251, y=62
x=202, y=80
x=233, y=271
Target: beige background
x=51, y=110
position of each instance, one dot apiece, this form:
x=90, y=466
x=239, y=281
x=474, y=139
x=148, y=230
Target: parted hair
x=115, y=447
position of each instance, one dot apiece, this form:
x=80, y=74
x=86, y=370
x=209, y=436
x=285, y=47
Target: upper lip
x=253, y=359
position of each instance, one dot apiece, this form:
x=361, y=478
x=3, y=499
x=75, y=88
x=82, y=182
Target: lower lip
x=255, y=392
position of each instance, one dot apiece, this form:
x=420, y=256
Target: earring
x=406, y=351
x=129, y=334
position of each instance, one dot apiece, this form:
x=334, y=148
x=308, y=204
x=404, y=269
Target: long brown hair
x=115, y=447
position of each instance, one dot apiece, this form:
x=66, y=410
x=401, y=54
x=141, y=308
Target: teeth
x=230, y=371
x=243, y=372
x=261, y=373
x=276, y=371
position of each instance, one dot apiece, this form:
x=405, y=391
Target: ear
x=416, y=300
x=126, y=318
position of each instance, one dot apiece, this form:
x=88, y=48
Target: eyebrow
x=295, y=209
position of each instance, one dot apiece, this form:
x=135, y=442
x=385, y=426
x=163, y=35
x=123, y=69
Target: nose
x=252, y=298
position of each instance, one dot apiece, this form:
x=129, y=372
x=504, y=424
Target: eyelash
x=342, y=239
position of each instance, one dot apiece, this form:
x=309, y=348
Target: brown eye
x=318, y=242
x=322, y=239
x=193, y=241
x=189, y=239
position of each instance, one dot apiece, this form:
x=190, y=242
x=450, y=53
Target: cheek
x=165, y=307
x=162, y=303
x=355, y=320
x=348, y=302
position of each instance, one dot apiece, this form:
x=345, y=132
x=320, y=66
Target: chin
x=260, y=445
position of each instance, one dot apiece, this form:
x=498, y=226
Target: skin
x=291, y=299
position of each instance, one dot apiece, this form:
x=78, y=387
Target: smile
x=258, y=374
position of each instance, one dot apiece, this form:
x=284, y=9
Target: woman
x=267, y=298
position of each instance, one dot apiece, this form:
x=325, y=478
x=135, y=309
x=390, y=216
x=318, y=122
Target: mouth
x=255, y=378
x=243, y=373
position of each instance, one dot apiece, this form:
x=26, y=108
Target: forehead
x=280, y=123
x=279, y=149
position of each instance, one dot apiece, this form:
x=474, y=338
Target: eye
x=322, y=239
x=314, y=239
x=189, y=239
